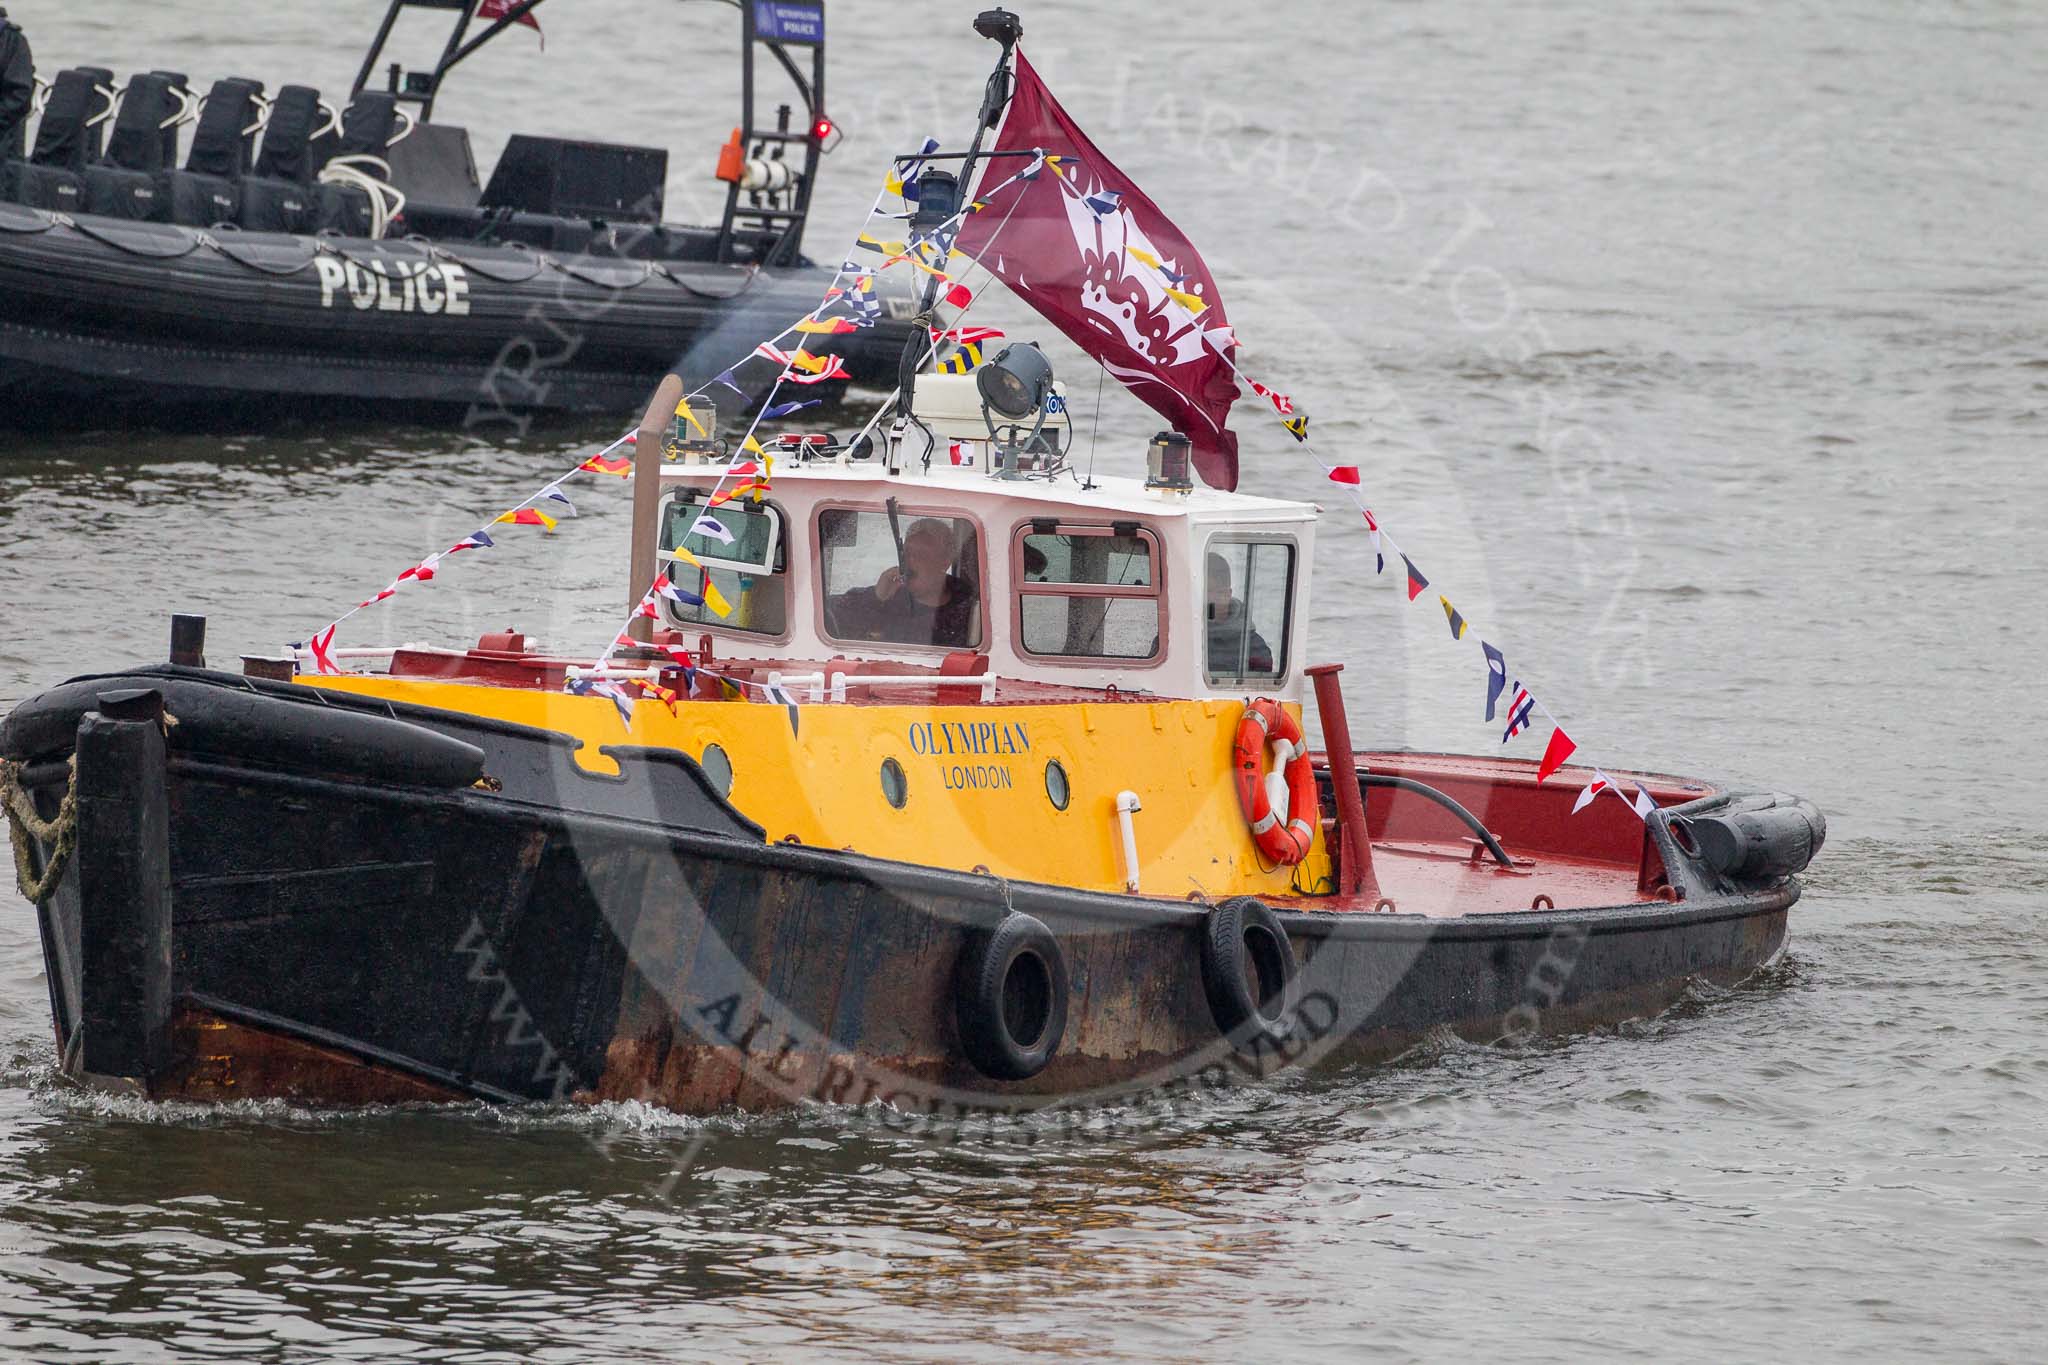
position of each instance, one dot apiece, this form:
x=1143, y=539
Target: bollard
x=188, y=641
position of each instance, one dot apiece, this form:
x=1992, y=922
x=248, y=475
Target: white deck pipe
x=1127, y=804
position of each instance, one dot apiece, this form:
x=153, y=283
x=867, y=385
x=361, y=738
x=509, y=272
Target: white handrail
x=651, y=671
x=262, y=116
x=188, y=111
x=814, y=683
x=112, y=95
x=840, y=681
x=381, y=652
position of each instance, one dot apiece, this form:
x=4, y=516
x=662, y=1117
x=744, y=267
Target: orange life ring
x=1266, y=722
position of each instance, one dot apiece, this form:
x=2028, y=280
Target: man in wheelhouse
x=1235, y=645
x=922, y=602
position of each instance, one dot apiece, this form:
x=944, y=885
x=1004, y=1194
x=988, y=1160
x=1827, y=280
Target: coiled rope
x=371, y=175
x=24, y=824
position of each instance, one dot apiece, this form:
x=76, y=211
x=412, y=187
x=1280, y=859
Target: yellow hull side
x=976, y=778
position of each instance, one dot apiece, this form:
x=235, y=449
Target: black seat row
x=69, y=138
x=224, y=180
x=284, y=193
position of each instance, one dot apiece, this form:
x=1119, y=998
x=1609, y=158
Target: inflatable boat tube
x=97, y=311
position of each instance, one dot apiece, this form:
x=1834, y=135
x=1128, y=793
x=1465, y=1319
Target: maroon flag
x=490, y=11
x=1083, y=245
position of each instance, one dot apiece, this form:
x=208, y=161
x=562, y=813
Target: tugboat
x=353, y=259
x=921, y=772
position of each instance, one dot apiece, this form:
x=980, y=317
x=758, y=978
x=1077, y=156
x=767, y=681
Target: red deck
x=1427, y=862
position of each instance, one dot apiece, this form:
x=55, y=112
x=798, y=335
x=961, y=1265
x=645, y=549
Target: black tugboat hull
x=309, y=899
x=99, y=317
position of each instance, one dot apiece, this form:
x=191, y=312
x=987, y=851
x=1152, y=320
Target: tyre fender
x=1010, y=998
x=1249, y=972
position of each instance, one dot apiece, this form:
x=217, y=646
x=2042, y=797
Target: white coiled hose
x=369, y=174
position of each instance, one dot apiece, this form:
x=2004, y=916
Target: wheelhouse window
x=1247, y=609
x=739, y=548
x=905, y=580
x=1088, y=592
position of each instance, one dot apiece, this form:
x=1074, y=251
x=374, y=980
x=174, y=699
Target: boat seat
x=72, y=134
x=208, y=190
x=281, y=195
x=42, y=187
x=137, y=142
x=66, y=142
x=281, y=206
x=370, y=125
x=284, y=194
x=288, y=137
x=343, y=209
x=135, y=195
x=203, y=200
x=129, y=182
x=181, y=87
x=224, y=142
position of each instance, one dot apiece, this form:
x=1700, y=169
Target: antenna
x=1094, y=426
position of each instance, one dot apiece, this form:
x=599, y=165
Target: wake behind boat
x=302, y=256
x=921, y=770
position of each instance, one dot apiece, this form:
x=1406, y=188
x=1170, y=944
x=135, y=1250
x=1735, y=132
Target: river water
x=1698, y=351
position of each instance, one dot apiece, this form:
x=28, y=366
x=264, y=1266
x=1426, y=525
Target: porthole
x=718, y=769
x=1057, y=789
x=895, y=786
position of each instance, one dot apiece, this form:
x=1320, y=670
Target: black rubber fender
x=1755, y=837
x=1249, y=972
x=226, y=721
x=1010, y=998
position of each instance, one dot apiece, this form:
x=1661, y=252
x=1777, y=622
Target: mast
x=998, y=25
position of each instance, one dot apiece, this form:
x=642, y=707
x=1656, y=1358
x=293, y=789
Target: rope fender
x=24, y=824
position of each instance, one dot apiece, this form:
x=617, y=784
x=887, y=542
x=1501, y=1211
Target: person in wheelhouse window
x=1235, y=647
x=921, y=603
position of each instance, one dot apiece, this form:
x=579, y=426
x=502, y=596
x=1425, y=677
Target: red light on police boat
x=822, y=129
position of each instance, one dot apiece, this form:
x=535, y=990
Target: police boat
x=175, y=254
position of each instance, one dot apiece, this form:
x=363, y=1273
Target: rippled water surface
x=1702, y=350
